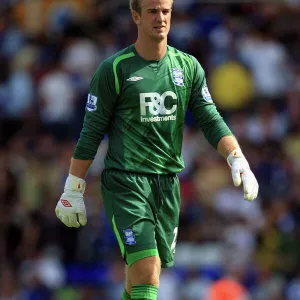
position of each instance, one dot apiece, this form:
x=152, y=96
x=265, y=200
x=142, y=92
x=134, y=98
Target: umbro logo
x=66, y=203
x=135, y=78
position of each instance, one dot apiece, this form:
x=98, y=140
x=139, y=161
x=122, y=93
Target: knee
x=145, y=271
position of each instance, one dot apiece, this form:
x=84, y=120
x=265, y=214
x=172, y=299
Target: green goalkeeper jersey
x=141, y=105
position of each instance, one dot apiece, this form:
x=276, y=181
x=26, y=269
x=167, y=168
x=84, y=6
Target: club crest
x=178, y=76
x=129, y=236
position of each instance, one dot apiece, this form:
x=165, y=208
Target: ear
x=136, y=17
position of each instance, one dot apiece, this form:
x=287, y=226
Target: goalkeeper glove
x=241, y=173
x=70, y=208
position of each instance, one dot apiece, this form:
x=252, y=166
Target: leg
x=126, y=294
x=128, y=283
x=138, y=274
x=145, y=271
x=132, y=217
x=143, y=278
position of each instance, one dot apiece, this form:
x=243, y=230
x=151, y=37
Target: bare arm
x=79, y=167
x=226, y=145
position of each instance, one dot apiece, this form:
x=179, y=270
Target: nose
x=160, y=16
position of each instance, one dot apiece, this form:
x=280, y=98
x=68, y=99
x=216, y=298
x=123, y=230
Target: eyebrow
x=156, y=9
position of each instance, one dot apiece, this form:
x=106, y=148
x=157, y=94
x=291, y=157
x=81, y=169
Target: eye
x=166, y=11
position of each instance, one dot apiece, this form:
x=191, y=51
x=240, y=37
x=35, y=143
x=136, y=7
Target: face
x=155, y=18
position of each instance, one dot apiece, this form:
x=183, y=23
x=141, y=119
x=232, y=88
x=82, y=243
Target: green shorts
x=143, y=211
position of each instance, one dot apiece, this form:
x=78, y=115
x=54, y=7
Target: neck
x=151, y=50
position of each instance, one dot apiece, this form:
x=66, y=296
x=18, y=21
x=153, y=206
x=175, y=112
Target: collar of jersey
x=151, y=63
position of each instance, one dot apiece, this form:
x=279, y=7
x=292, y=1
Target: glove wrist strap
x=233, y=155
x=75, y=184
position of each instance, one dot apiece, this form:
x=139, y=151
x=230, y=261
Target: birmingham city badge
x=178, y=76
x=129, y=236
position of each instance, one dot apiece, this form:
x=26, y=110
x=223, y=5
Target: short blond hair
x=136, y=5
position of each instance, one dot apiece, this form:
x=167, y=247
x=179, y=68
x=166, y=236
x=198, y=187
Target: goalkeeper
x=139, y=97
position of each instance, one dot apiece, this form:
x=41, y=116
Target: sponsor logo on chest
x=154, y=104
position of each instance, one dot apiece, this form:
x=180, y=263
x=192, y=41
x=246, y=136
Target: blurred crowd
x=49, y=50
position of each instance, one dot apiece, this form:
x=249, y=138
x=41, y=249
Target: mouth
x=159, y=27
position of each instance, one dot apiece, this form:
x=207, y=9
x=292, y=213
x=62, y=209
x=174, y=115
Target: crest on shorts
x=129, y=236
x=178, y=76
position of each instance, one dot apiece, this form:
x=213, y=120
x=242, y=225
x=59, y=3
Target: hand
x=241, y=172
x=70, y=208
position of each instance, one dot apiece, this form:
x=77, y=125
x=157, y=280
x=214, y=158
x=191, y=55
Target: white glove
x=241, y=172
x=70, y=208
